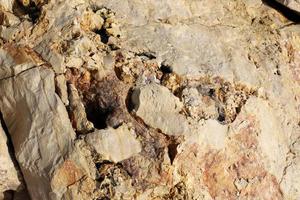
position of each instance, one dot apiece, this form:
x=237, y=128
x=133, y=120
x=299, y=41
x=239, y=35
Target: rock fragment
x=159, y=108
x=62, y=90
x=115, y=144
x=77, y=112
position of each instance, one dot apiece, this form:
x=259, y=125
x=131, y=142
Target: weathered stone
x=159, y=108
x=115, y=144
x=7, y=4
x=9, y=179
x=191, y=99
x=77, y=112
x=62, y=89
x=39, y=128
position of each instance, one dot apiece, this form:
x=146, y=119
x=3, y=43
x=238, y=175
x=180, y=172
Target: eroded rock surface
x=9, y=174
x=150, y=99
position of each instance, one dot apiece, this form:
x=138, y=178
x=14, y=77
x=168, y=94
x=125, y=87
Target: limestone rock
x=7, y=4
x=62, y=89
x=9, y=179
x=188, y=99
x=40, y=130
x=115, y=144
x=159, y=108
x=77, y=112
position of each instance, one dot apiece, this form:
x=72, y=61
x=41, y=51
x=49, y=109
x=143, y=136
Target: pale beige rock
x=77, y=110
x=62, y=89
x=159, y=108
x=115, y=144
x=7, y=4
x=9, y=179
x=164, y=50
x=14, y=60
x=39, y=128
x=272, y=140
x=198, y=105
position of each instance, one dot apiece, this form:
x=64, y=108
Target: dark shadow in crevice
x=172, y=151
x=166, y=69
x=32, y=10
x=103, y=35
x=290, y=14
x=97, y=115
x=128, y=101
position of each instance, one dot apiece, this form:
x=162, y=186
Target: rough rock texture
x=9, y=179
x=150, y=99
x=114, y=144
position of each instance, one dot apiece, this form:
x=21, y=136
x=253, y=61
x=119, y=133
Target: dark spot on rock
x=32, y=10
x=166, y=69
x=103, y=35
x=172, y=151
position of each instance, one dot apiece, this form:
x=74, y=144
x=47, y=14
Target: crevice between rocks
x=290, y=14
x=27, y=7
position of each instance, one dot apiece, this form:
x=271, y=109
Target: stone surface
x=9, y=179
x=115, y=144
x=159, y=108
x=40, y=131
x=62, y=90
x=173, y=99
x=77, y=112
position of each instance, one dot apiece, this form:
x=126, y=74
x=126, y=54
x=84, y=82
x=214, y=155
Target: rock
x=151, y=99
x=7, y=4
x=39, y=127
x=91, y=21
x=9, y=19
x=188, y=99
x=15, y=60
x=77, y=112
x=62, y=89
x=9, y=176
x=199, y=106
x=115, y=144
